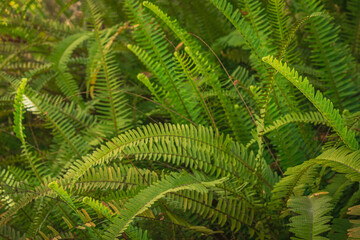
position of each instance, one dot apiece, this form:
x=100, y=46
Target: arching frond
x=324, y=105
x=147, y=197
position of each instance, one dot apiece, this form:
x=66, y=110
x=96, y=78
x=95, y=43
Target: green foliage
x=312, y=220
x=179, y=119
x=144, y=199
x=325, y=106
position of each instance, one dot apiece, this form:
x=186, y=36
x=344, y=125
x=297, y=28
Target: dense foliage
x=180, y=119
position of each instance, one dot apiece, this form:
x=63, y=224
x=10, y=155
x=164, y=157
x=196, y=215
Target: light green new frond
x=324, y=105
x=313, y=219
x=19, y=128
x=62, y=193
x=147, y=197
x=98, y=207
x=155, y=90
x=19, y=111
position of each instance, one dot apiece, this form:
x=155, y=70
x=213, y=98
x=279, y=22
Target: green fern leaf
x=147, y=197
x=313, y=219
x=60, y=59
x=324, y=105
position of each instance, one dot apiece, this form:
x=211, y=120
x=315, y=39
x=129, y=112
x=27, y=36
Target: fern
x=324, y=105
x=353, y=22
x=152, y=35
x=179, y=119
x=353, y=233
x=323, y=35
x=179, y=140
x=312, y=220
x=19, y=128
x=147, y=197
x=112, y=102
x=60, y=58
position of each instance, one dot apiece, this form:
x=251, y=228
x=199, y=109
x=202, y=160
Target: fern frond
x=163, y=93
x=98, y=207
x=313, y=219
x=150, y=37
x=51, y=110
x=7, y=232
x=294, y=183
x=309, y=117
x=197, y=148
x=353, y=22
x=112, y=101
x=62, y=193
x=19, y=128
x=26, y=199
x=184, y=37
x=211, y=76
x=278, y=21
x=60, y=59
x=233, y=210
x=341, y=160
x=118, y=177
x=324, y=105
x=256, y=15
x=147, y=197
x=354, y=233
x=331, y=56
x=244, y=28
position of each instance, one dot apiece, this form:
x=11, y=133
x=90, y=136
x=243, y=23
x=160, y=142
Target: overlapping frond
x=331, y=56
x=197, y=148
x=112, y=102
x=60, y=59
x=133, y=120
x=147, y=197
x=323, y=104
